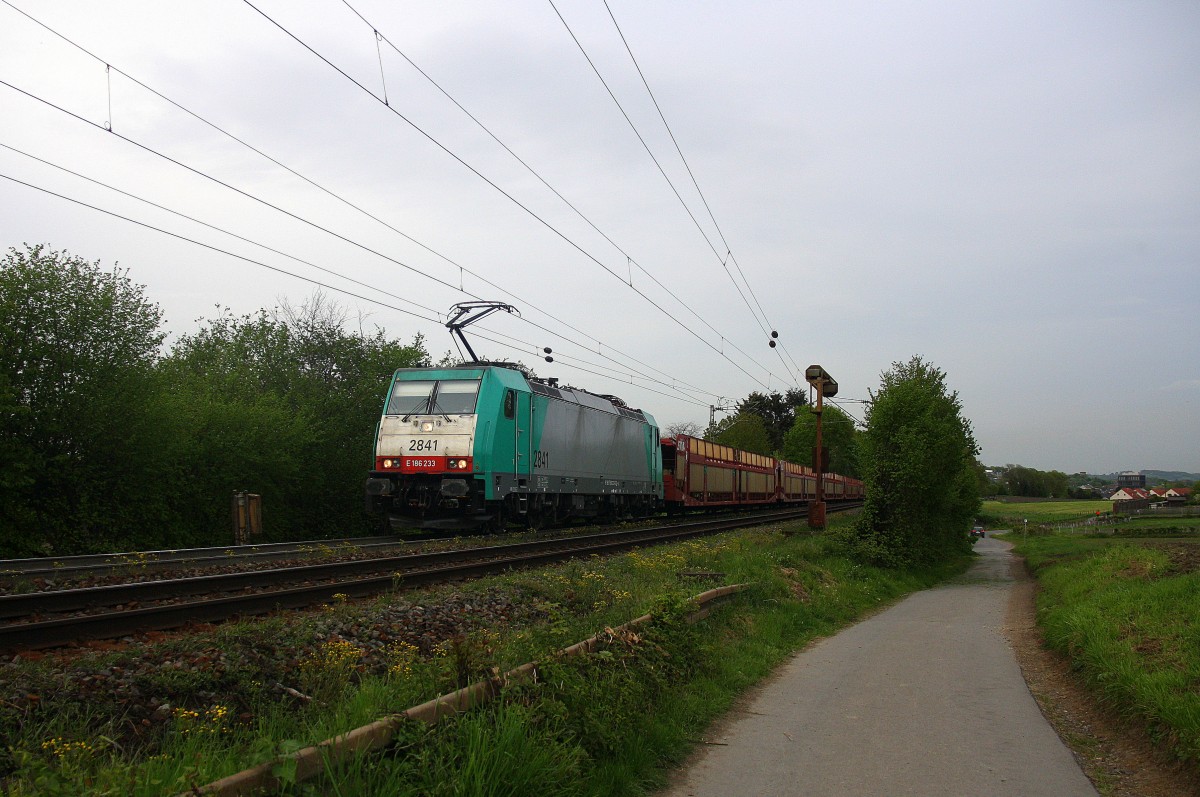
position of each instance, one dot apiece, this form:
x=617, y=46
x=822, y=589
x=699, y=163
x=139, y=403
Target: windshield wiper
x=435, y=411
x=412, y=412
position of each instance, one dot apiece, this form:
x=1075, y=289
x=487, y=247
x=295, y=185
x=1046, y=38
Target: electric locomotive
x=476, y=446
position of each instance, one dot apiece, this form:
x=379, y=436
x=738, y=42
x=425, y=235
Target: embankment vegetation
x=111, y=442
x=162, y=717
x=1127, y=613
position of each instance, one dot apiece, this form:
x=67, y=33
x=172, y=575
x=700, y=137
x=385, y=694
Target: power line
x=728, y=253
x=108, y=127
x=218, y=229
x=490, y=182
x=268, y=204
x=217, y=249
x=696, y=184
x=631, y=375
x=650, y=152
x=629, y=258
x=318, y=283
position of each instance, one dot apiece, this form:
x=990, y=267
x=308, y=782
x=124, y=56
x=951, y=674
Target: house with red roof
x=1130, y=494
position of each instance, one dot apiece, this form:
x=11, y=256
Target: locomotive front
x=425, y=472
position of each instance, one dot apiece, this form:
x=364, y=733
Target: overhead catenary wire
x=516, y=342
x=687, y=209
x=250, y=196
x=509, y=196
x=220, y=230
x=108, y=128
x=560, y=356
x=217, y=249
x=310, y=280
x=609, y=376
x=434, y=314
x=703, y=199
x=650, y=152
x=524, y=302
x=630, y=260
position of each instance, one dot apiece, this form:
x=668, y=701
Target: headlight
x=427, y=426
x=462, y=463
x=387, y=463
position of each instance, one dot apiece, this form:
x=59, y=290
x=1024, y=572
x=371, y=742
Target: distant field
x=1044, y=511
x=1000, y=514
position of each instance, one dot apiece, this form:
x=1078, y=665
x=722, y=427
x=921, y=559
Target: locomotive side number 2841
x=422, y=445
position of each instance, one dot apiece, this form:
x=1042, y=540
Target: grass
x=1043, y=511
x=609, y=723
x=1043, y=514
x=1129, y=617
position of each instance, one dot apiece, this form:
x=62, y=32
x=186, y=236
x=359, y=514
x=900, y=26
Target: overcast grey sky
x=1009, y=189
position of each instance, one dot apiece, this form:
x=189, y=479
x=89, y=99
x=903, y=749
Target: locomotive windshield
x=455, y=397
x=426, y=397
x=410, y=398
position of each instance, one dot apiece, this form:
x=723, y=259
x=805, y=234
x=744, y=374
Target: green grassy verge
x=1128, y=615
x=608, y=723
x=1042, y=511
x=1044, y=515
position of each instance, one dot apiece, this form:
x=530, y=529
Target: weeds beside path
x=161, y=717
x=1120, y=682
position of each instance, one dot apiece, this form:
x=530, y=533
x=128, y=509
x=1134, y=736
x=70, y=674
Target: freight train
x=478, y=446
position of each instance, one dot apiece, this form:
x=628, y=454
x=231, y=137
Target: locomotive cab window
x=410, y=398
x=426, y=397
x=455, y=397
x=510, y=404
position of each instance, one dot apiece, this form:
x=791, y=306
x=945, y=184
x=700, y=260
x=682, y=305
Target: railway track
x=50, y=619
x=66, y=568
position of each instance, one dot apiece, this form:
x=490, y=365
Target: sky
x=1010, y=190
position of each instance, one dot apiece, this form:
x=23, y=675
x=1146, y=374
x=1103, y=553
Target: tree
x=838, y=434
x=689, y=428
x=778, y=412
x=80, y=425
x=918, y=456
x=283, y=404
x=986, y=487
x=1033, y=483
x=745, y=430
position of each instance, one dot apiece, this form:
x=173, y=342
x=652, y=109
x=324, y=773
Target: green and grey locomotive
x=478, y=446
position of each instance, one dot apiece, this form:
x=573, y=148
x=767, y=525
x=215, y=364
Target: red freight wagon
x=797, y=482
x=700, y=473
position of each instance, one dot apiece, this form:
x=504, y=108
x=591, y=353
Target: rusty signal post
x=824, y=385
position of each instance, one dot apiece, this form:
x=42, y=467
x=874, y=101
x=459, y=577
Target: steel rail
x=456, y=565
x=173, y=558
x=87, y=598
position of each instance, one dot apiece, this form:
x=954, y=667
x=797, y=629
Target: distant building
x=1131, y=478
x=1129, y=494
